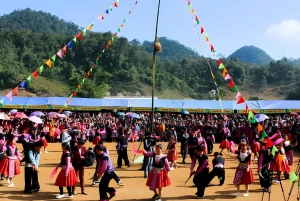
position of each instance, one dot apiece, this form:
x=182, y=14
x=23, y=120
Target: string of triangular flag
x=50, y=62
x=210, y=68
x=221, y=66
x=88, y=73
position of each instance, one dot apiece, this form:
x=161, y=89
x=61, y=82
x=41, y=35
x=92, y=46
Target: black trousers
x=265, y=181
x=123, y=155
x=191, y=153
x=103, y=186
x=201, y=182
x=219, y=172
x=183, y=151
x=210, y=146
x=31, y=179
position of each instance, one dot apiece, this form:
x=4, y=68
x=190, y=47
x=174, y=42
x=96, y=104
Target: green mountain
x=252, y=54
x=171, y=50
x=126, y=67
x=37, y=21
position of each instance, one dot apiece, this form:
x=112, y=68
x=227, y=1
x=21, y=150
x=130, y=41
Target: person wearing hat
x=218, y=168
x=201, y=174
x=264, y=159
x=78, y=157
x=149, y=143
x=184, y=144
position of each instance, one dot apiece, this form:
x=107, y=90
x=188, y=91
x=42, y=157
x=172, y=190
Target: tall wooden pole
x=153, y=68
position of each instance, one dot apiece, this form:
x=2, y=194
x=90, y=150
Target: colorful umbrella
x=67, y=112
x=13, y=111
x=52, y=115
x=35, y=119
x=61, y=116
x=184, y=112
x=293, y=114
x=20, y=115
x=261, y=117
x=132, y=115
x=121, y=114
x=3, y=116
x=37, y=113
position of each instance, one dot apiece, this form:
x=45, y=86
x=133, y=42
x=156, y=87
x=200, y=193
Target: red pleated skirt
x=63, y=180
x=255, y=147
x=248, y=177
x=44, y=141
x=172, y=156
x=4, y=167
x=163, y=179
x=225, y=144
x=96, y=140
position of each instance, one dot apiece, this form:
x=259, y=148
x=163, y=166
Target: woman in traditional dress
x=10, y=164
x=243, y=174
x=225, y=144
x=158, y=177
x=255, y=148
x=67, y=175
x=97, y=137
x=172, y=154
x=2, y=145
x=202, y=142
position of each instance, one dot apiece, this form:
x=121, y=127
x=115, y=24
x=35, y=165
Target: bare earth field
x=135, y=188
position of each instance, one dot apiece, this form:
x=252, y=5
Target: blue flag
x=70, y=44
x=23, y=84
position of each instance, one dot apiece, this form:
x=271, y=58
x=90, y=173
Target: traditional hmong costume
x=172, y=153
x=242, y=176
x=10, y=164
x=158, y=177
x=264, y=160
x=66, y=169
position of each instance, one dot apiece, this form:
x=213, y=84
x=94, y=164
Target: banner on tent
x=36, y=106
x=89, y=108
x=293, y=110
x=245, y=112
x=168, y=110
x=196, y=110
x=57, y=107
x=114, y=108
x=13, y=106
x=219, y=111
x=141, y=109
x=273, y=111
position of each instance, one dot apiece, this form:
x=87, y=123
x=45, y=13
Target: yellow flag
x=109, y=42
x=224, y=73
x=79, y=86
x=49, y=63
x=122, y=25
x=90, y=27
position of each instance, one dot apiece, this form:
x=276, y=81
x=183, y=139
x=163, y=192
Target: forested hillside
x=125, y=68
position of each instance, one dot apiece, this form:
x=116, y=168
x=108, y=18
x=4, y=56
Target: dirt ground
x=135, y=188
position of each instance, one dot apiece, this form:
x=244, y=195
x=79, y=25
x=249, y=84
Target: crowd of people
x=270, y=141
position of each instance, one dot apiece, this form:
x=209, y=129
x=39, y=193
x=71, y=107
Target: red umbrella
x=20, y=115
x=293, y=114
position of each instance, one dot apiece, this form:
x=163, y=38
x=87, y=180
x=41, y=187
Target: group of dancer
x=76, y=157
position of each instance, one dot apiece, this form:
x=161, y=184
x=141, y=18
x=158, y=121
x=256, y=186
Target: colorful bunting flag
x=1, y=101
x=116, y=34
x=16, y=91
x=250, y=114
x=101, y=17
x=235, y=89
x=79, y=36
x=107, y=11
x=274, y=150
x=253, y=121
x=241, y=100
x=122, y=25
x=35, y=74
x=84, y=32
x=109, y=42
x=23, y=84
x=41, y=69
x=49, y=63
x=227, y=77
x=110, y=8
x=29, y=79
x=202, y=30
x=129, y=12
x=115, y=4
x=136, y=2
x=231, y=84
x=221, y=66
x=224, y=73
x=9, y=96
x=247, y=109
x=53, y=58
x=119, y=30
x=259, y=128
x=90, y=27
x=238, y=95
x=65, y=48
x=74, y=93
x=293, y=177
x=59, y=53
x=263, y=135
x=74, y=39
x=79, y=87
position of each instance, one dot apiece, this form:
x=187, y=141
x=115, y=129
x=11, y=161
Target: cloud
x=287, y=30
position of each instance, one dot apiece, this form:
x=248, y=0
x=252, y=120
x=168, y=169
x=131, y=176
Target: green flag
x=198, y=22
x=84, y=32
x=112, y=39
x=253, y=121
x=83, y=81
x=110, y=8
x=221, y=66
x=235, y=89
x=97, y=62
x=41, y=69
x=103, y=50
x=119, y=30
x=53, y=58
x=190, y=6
x=298, y=183
x=74, y=39
x=65, y=105
x=263, y=135
x=1, y=101
x=91, y=70
x=29, y=79
x=250, y=114
x=293, y=177
x=274, y=149
x=124, y=20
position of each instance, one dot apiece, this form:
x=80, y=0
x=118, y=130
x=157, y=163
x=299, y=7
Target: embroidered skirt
x=158, y=179
x=63, y=180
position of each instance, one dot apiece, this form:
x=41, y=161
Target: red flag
x=188, y=2
x=231, y=84
x=136, y=2
x=202, y=30
x=86, y=76
x=116, y=34
x=115, y=4
x=129, y=12
x=64, y=49
x=212, y=48
x=35, y=74
x=269, y=143
x=16, y=91
x=74, y=93
x=79, y=36
x=241, y=100
x=106, y=46
x=219, y=62
x=196, y=18
x=93, y=66
x=247, y=109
